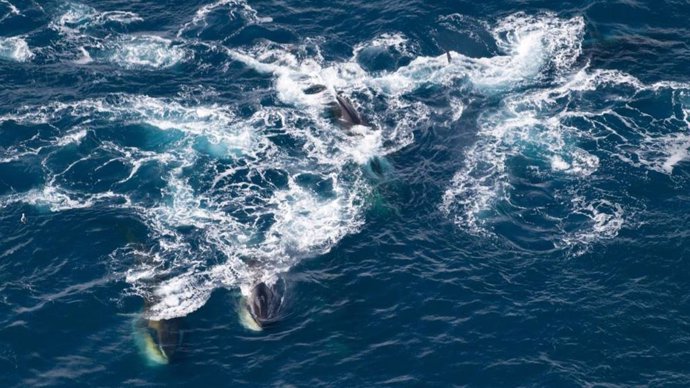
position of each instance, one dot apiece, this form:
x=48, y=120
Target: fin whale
x=342, y=110
x=344, y=114
x=348, y=113
x=160, y=338
x=264, y=305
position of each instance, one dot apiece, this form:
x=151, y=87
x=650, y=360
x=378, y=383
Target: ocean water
x=516, y=213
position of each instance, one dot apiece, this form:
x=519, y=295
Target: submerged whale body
x=264, y=305
x=160, y=339
x=314, y=89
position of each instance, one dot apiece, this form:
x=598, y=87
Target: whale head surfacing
x=264, y=306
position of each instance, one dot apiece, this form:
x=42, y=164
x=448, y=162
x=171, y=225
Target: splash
x=15, y=49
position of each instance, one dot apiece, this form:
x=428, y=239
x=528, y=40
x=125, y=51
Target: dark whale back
x=348, y=113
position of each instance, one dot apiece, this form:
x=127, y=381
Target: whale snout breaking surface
x=263, y=307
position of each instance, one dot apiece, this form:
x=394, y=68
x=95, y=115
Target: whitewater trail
x=538, y=138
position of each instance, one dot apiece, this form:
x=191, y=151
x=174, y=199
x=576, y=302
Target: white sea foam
x=145, y=51
x=76, y=17
x=534, y=41
x=85, y=57
x=82, y=28
x=535, y=46
x=547, y=125
x=306, y=224
x=15, y=49
x=213, y=122
x=235, y=9
x=640, y=138
x=531, y=47
x=395, y=41
x=388, y=41
x=11, y=10
x=606, y=219
x=74, y=137
x=56, y=199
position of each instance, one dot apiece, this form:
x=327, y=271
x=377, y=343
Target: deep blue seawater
x=516, y=216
